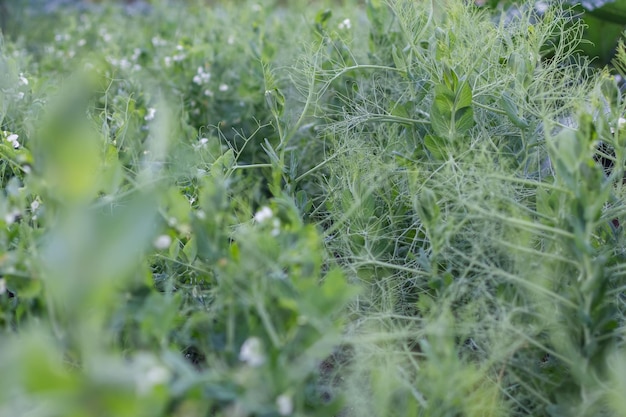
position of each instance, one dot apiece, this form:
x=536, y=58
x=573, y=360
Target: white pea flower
x=621, y=123
x=151, y=113
x=35, y=205
x=345, y=24
x=156, y=41
x=149, y=373
x=167, y=61
x=62, y=37
x=264, y=214
x=162, y=242
x=201, y=76
x=23, y=80
x=13, y=139
x=284, y=403
x=275, y=227
x=252, y=352
x=12, y=216
x=223, y=87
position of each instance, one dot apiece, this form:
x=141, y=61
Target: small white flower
x=61, y=37
x=156, y=41
x=345, y=24
x=149, y=373
x=167, y=61
x=231, y=39
x=264, y=214
x=150, y=115
x=208, y=93
x=223, y=87
x=162, y=242
x=621, y=123
x=204, y=141
x=124, y=63
x=13, y=139
x=257, y=7
x=284, y=403
x=34, y=205
x=20, y=95
x=275, y=227
x=201, y=77
x=252, y=352
x=3, y=286
x=12, y=216
x=23, y=80
x=82, y=42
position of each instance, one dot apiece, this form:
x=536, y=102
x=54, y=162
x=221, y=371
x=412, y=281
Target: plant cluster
x=408, y=208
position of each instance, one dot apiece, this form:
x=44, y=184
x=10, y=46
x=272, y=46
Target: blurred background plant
x=604, y=23
x=326, y=210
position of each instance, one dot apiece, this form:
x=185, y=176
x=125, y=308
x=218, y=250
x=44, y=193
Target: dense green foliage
x=398, y=209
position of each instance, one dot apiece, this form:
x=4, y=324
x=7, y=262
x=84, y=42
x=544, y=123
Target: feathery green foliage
x=395, y=209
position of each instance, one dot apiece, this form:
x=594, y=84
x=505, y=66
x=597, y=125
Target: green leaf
x=451, y=111
x=464, y=96
x=321, y=20
x=568, y=151
x=450, y=79
x=427, y=207
x=223, y=163
x=512, y=111
x=464, y=120
x=611, y=92
x=398, y=60
x=275, y=101
x=436, y=147
x=613, y=11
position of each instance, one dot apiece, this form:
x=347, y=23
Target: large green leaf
x=607, y=10
x=451, y=112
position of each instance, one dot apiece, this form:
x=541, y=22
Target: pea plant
x=379, y=208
